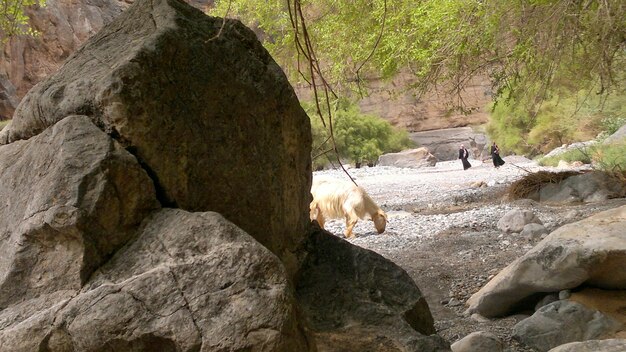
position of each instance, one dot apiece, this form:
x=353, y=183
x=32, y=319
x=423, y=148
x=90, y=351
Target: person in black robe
x=463, y=155
x=495, y=155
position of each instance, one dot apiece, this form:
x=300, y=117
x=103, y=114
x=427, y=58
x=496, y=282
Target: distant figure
x=463, y=155
x=495, y=155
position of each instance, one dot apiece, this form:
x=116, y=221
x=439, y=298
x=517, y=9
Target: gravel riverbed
x=443, y=232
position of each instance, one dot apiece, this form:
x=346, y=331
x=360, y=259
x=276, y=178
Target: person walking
x=463, y=155
x=495, y=155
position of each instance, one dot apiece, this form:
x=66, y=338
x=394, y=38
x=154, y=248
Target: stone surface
x=69, y=198
x=444, y=143
x=189, y=282
x=561, y=322
x=184, y=101
x=355, y=300
x=478, y=341
x=618, y=137
x=516, y=219
x=412, y=158
x=591, y=252
x=587, y=187
x=610, y=345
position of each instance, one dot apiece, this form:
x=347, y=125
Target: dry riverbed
x=443, y=232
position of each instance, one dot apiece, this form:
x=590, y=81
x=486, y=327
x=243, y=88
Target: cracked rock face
x=185, y=100
x=189, y=282
x=69, y=198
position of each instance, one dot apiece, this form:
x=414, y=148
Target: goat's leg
x=350, y=222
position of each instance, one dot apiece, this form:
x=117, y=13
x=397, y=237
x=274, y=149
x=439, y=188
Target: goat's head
x=380, y=221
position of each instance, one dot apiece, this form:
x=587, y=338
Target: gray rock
x=516, y=219
x=71, y=196
x=610, y=345
x=587, y=187
x=591, y=251
x=184, y=102
x=411, y=158
x=478, y=341
x=354, y=299
x=444, y=143
x=565, y=148
x=618, y=137
x=533, y=231
x=190, y=281
x=562, y=322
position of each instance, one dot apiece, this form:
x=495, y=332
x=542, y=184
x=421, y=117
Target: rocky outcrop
x=591, y=252
x=188, y=282
x=183, y=100
x=444, y=143
x=561, y=322
x=411, y=158
x=71, y=197
x=588, y=187
x=356, y=300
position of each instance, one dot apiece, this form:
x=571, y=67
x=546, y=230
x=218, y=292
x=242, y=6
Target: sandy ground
x=443, y=232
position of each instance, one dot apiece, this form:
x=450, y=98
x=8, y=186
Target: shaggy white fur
x=338, y=199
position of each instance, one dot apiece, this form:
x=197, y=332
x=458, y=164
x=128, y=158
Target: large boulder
x=411, y=158
x=591, y=252
x=184, y=93
x=587, y=187
x=444, y=143
x=189, y=282
x=356, y=300
x=70, y=197
x=561, y=322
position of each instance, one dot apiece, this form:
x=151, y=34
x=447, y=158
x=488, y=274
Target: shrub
x=360, y=138
x=611, y=157
x=582, y=155
x=563, y=118
x=606, y=157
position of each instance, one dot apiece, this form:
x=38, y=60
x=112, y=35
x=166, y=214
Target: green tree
x=360, y=138
x=525, y=47
x=13, y=19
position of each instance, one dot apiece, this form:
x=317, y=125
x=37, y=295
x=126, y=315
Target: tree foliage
x=562, y=118
x=13, y=19
x=360, y=138
x=525, y=47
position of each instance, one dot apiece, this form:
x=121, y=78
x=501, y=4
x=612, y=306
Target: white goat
x=337, y=199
